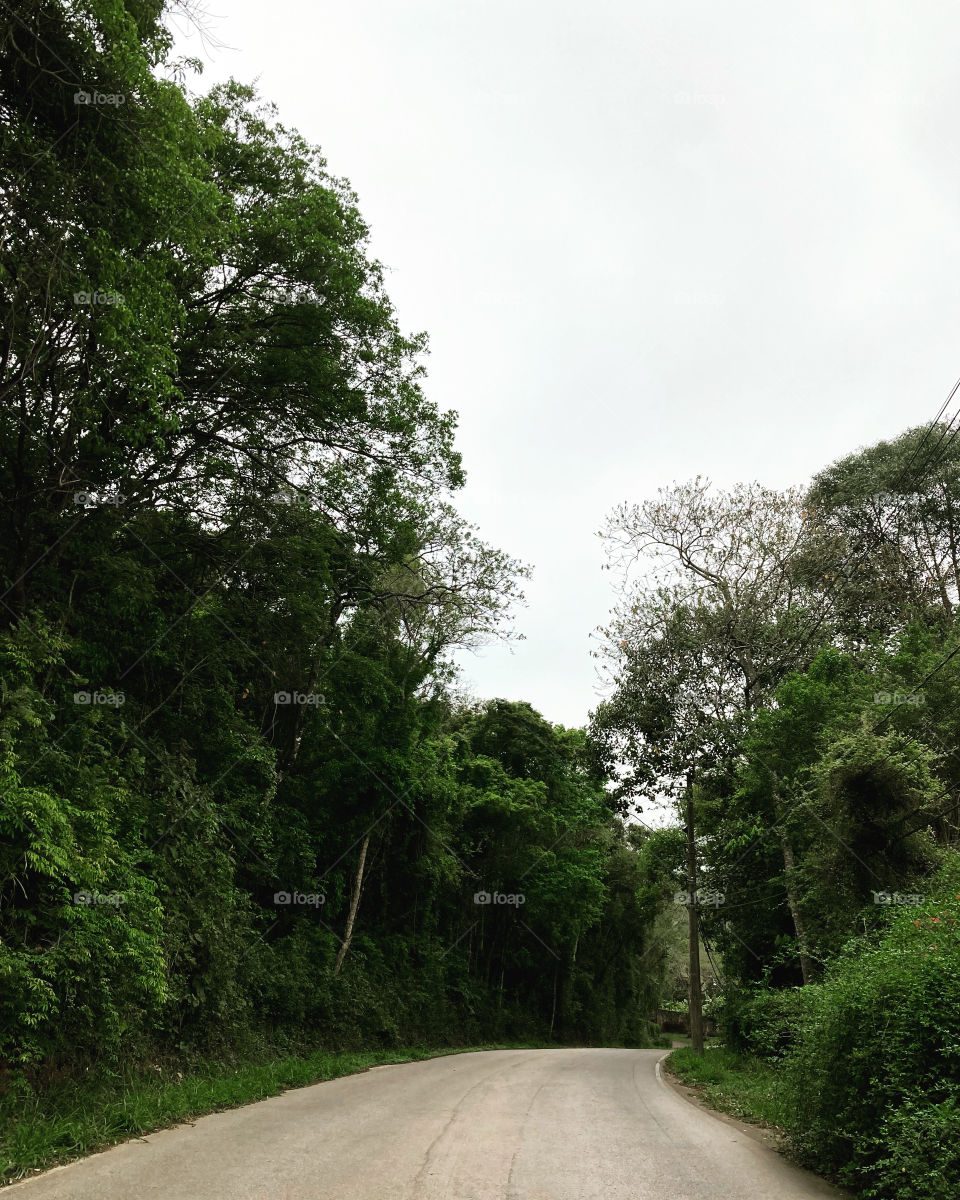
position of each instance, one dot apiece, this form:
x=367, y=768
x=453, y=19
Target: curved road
x=498, y=1125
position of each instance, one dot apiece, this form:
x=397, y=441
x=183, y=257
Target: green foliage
x=747, y=1088
x=915, y=1152
x=761, y=1022
x=879, y=1055
x=800, y=657
x=224, y=486
x=883, y=534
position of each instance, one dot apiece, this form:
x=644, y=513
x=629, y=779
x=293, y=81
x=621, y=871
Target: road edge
x=766, y=1135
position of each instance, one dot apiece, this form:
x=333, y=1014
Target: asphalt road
x=500, y=1125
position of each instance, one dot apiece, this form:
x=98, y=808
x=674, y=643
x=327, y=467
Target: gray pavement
x=498, y=1125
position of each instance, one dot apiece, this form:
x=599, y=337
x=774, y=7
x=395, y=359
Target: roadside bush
x=874, y=1081
x=916, y=1153
x=763, y=1023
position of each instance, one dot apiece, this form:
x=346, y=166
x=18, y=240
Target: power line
x=935, y=420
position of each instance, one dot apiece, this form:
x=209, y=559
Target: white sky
x=648, y=240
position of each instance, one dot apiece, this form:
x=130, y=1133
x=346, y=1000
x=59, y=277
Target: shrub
x=874, y=1080
x=916, y=1154
x=763, y=1023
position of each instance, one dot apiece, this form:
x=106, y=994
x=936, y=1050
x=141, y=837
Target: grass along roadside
x=746, y=1088
x=76, y=1118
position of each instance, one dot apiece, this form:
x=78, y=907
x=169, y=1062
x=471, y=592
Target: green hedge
x=763, y=1023
x=874, y=1080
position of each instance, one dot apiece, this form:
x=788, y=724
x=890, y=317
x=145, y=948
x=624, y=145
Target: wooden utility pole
x=694, y=994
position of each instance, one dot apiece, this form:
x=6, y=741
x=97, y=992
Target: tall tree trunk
x=789, y=868
x=789, y=872
x=354, y=905
x=566, y=966
x=299, y=716
x=695, y=995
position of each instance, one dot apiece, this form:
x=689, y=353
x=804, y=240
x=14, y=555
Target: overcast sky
x=647, y=240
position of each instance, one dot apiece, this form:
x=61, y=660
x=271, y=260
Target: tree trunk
x=789, y=871
x=789, y=867
x=299, y=716
x=695, y=995
x=354, y=905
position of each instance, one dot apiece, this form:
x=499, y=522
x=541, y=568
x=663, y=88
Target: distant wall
x=673, y=1021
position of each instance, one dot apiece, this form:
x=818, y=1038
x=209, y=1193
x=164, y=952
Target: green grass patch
x=747, y=1088
x=77, y=1117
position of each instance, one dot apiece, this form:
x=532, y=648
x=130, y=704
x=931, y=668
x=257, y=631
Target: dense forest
x=247, y=807
x=244, y=802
